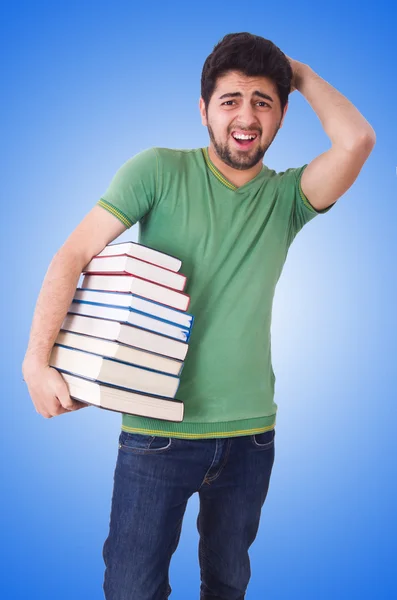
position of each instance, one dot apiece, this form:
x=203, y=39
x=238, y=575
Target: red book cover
x=186, y=296
x=136, y=267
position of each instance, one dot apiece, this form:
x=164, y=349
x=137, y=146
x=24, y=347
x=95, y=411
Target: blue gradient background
x=86, y=86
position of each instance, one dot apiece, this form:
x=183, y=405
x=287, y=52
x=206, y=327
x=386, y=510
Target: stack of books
x=123, y=342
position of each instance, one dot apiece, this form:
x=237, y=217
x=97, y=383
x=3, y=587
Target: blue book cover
x=123, y=362
x=164, y=376
x=184, y=331
x=169, y=309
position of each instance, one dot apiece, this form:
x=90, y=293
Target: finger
x=57, y=409
x=68, y=403
x=47, y=409
x=62, y=393
x=77, y=405
x=65, y=398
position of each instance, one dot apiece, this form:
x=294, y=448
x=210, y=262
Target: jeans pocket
x=265, y=439
x=141, y=443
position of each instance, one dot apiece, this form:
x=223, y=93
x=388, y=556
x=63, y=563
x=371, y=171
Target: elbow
x=369, y=139
x=362, y=145
x=365, y=142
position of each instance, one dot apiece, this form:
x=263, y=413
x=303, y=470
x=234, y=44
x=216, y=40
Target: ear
x=202, y=112
x=284, y=113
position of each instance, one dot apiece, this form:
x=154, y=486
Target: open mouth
x=244, y=140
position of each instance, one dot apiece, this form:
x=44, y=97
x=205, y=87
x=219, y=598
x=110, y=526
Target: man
x=231, y=220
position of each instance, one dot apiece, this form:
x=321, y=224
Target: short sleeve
x=132, y=191
x=301, y=211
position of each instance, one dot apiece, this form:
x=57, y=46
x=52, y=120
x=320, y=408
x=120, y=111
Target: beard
x=239, y=160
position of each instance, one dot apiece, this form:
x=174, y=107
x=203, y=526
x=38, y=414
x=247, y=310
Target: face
x=242, y=107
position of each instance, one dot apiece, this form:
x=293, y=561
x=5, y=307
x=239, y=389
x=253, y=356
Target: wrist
x=33, y=363
x=301, y=74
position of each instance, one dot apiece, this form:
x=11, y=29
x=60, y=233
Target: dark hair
x=251, y=55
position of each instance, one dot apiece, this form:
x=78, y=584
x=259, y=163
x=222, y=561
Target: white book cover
x=124, y=401
x=143, y=253
x=134, y=266
x=128, y=300
x=121, y=352
x=126, y=334
x=140, y=287
x=106, y=370
x=128, y=316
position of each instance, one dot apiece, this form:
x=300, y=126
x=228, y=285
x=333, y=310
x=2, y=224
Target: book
x=137, y=285
x=128, y=315
x=110, y=371
x=133, y=266
x=143, y=253
x=122, y=400
x=121, y=352
x=138, y=303
x=126, y=334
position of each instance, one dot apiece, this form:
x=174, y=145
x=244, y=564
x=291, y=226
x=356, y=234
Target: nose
x=246, y=116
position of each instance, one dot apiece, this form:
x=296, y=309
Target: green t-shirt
x=233, y=243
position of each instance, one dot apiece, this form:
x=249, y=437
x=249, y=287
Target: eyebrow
x=239, y=95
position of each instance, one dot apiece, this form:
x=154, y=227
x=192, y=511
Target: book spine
x=119, y=387
x=122, y=315
x=134, y=310
x=140, y=298
x=117, y=360
x=135, y=244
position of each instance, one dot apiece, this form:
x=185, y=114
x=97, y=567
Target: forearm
x=342, y=122
x=52, y=305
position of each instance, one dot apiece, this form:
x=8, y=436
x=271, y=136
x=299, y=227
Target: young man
x=231, y=220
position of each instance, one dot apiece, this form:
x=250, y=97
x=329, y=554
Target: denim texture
x=153, y=480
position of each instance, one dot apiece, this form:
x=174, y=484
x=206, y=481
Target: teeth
x=241, y=136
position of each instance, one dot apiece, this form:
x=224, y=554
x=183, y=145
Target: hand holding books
x=125, y=337
x=49, y=391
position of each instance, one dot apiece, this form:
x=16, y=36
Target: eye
x=261, y=102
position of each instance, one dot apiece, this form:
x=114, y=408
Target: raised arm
x=331, y=174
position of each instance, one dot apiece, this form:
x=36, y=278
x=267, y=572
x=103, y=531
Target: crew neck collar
x=216, y=172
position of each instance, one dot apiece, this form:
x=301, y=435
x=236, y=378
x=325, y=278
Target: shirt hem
x=194, y=430
x=306, y=201
x=116, y=212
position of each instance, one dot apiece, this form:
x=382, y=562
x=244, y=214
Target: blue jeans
x=154, y=478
